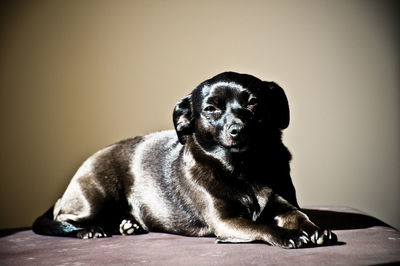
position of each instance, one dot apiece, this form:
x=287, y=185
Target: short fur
x=224, y=171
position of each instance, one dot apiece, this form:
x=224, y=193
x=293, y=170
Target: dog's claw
x=323, y=237
x=294, y=239
x=291, y=244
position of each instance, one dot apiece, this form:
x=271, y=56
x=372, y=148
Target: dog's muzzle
x=235, y=138
x=236, y=131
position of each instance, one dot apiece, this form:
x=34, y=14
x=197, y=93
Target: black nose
x=235, y=130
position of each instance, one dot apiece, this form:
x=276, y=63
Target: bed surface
x=364, y=240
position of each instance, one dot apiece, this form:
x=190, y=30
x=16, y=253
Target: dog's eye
x=252, y=101
x=210, y=109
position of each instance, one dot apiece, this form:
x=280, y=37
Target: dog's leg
x=47, y=225
x=79, y=207
x=290, y=228
x=293, y=219
x=81, y=230
x=238, y=230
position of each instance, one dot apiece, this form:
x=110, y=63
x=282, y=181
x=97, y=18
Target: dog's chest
x=262, y=196
x=250, y=200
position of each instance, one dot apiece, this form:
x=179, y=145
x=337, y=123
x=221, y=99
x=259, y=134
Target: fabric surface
x=364, y=240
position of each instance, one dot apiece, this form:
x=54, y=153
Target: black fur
x=223, y=172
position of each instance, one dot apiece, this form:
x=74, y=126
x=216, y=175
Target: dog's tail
x=46, y=225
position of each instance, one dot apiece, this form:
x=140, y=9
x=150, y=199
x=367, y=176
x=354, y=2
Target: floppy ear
x=183, y=118
x=280, y=113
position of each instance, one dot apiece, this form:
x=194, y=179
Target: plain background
x=76, y=76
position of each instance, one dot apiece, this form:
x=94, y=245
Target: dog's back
x=140, y=178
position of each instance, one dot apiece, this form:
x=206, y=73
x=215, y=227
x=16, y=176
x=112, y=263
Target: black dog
x=224, y=172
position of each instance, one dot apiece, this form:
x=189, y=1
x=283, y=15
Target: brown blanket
x=364, y=240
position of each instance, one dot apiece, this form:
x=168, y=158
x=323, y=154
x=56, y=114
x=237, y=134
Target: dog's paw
x=129, y=227
x=91, y=232
x=292, y=239
x=323, y=237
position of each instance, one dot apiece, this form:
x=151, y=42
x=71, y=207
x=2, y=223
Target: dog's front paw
x=129, y=227
x=292, y=239
x=91, y=232
x=323, y=237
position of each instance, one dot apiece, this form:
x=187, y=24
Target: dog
x=223, y=172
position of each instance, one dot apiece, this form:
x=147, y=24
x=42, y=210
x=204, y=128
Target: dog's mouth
x=236, y=148
x=234, y=143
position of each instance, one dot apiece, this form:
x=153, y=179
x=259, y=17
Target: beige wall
x=76, y=76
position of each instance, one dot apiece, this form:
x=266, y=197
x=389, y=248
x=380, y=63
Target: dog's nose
x=235, y=130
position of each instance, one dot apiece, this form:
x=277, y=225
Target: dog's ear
x=183, y=118
x=278, y=102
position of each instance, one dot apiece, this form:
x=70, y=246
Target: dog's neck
x=215, y=156
x=222, y=158
x=267, y=149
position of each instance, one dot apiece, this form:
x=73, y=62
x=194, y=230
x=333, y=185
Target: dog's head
x=229, y=110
